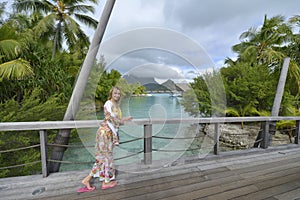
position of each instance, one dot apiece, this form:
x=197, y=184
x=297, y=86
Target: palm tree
x=60, y=20
x=270, y=44
x=11, y=65
x=266, y=47
x=263, y=46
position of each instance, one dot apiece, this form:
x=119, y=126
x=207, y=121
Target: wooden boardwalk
x=272, y=173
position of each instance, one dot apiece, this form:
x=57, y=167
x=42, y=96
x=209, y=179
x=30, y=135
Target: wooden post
x=44, y=151
x=277, y=100
x=265, y=135
x=280, y=87
x=272, y=131
x=216, y=138
x=297, y=132
x=147, y=144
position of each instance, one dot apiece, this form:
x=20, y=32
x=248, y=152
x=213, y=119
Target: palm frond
x=32, y=5
x=248, y=34
x=294, y=70
x=81, y=9
x=89, y=21
x=16, y=69
x=295, y=20
x=232, y=111
x=46, y=24
x=80, y=1
x=74, y=34
x=9, y=48
x=270, y=55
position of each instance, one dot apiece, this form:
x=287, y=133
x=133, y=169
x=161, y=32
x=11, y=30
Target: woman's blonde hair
x=111, y=91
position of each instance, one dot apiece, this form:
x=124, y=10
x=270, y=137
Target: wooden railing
x=42, y=127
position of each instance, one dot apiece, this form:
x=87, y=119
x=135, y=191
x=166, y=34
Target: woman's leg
x=86, y=181
x=104, y=153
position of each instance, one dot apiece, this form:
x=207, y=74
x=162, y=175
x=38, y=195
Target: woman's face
x=116, y=94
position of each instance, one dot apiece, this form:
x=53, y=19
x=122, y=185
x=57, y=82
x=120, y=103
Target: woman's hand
x=125, y=119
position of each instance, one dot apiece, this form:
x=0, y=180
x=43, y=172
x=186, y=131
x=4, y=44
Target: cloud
x=159, y=71
x=217, y=25
x=156, y=52
x=132, y=14
x=213, y=25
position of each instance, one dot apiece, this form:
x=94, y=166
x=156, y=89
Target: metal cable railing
x=175, y=138
x=133, y=140
x=261, y=142
x=131, y=155
x=68, y=146
x=20, y=165
x=83, y=146
x=63, y=161
x=176, y=150
x=69, y=162
x=19, y=149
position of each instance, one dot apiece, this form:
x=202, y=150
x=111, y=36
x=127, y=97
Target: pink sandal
x=113, y=184
x=85, y=189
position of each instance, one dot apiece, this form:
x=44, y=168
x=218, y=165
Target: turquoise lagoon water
x=157, y=106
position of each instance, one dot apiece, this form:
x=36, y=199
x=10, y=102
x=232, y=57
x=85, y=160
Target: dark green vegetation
x=251, y=80
x=37, y=73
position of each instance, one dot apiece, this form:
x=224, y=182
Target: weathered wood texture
x=272, y=173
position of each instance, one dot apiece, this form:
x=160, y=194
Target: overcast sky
x=215, y=25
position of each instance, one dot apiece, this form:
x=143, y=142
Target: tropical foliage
x=42, y=48
x=251, y=80
x=59, y=21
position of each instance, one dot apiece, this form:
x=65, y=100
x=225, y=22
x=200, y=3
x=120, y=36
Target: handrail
x=43, y=126
x=46, y=125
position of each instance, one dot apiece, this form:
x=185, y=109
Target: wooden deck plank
x=250, y=191
x=233, y=193
x=270, y=192
x=293, y=194
x=140, y=186
x=269, y=168
x=220, y=188
x=182, y=188
x=134, y=190
x=259, y=175
x=196, y=190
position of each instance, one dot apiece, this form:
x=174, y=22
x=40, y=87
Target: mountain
x=151, y=85
x=170, y=85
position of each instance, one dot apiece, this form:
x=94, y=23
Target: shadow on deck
x=272, y=173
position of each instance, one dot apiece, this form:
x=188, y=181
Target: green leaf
x=16, y=69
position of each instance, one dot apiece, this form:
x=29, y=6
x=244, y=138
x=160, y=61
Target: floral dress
x=105, y=136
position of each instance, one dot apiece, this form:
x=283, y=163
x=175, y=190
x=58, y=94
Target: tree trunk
x=62, y=136
x=276, y=103
x=55, y=41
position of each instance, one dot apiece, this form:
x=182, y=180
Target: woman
x=106, y=139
